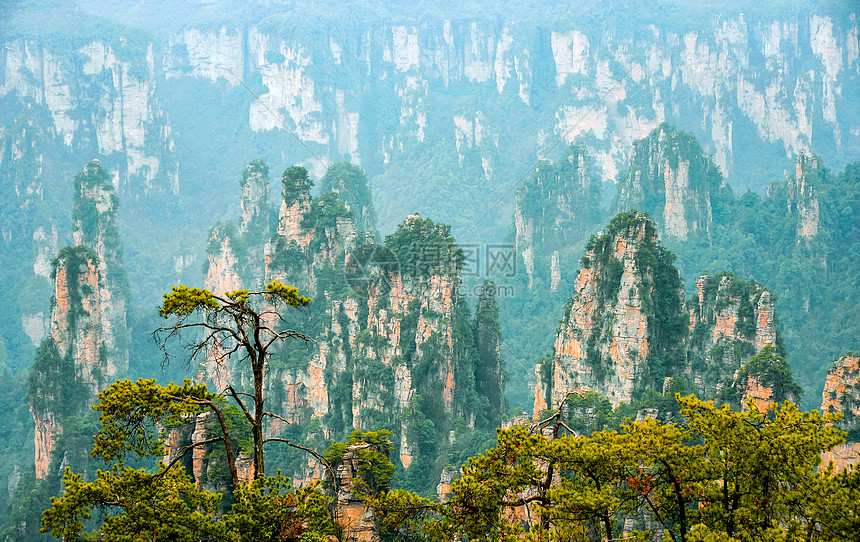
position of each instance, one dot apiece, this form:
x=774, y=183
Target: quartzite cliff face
x=88, y=341
x=394, y=344
x=842, y=395
x=68, y=364
x=669, y=172
x=730, y=321
x=95, y=225
x=383, y=94
x=627, y=326
x=797, y=239
x=556, y=207
x=609, y=336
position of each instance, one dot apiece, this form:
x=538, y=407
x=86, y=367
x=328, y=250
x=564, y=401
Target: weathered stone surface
x=76, y=332
x=88, y=316
x=443, y=489
x=842, y=395
x=127, y=120
x=554, y=208
x=842, y=456
x=222, y=274
x=96, y=226
x=608, y=334
x=353, y=516
x=603, y=341
x=761, y=395
x=368, y=337
x=46, y=431
x=803, y=195
x=669, y=166
x=76, y=317
x=731, y=320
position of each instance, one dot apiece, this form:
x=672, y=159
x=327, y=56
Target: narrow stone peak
x=610, y=336
x=670, y=172
x=731, y=320
x=627, y=329
x=555, y=208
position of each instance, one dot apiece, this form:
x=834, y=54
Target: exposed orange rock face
x=198, y=453
x=841, y=387
x=605, y=340
x=46, y=431
x=223, y=273
x=761, y=395
x=842, y=394
x=291, y=216
x=842, y=456
x=620, y=321
x=721, y=329
x=765, y=327
x=443, y=489
x=540, y=401
x=85, y=337
x=353, y=516
x=245, y=466
x=77, y=331
x=93, y=188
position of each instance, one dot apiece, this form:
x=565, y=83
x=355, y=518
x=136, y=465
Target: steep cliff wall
x=70, y=364
x=730, y=321
x=88, y=342
x=487, y=88
x=103, y=100
x=95, y=225
x=842, y=395
x=394, y=344
x=626, y=329
x=622, y=330
x=254, y=227
x=556, y=208
x=725, y=69
x=802, y=195
x=670, y=173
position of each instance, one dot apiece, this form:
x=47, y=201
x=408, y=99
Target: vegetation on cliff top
x=658, y=289
x=424, y=248
x=351, y=184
